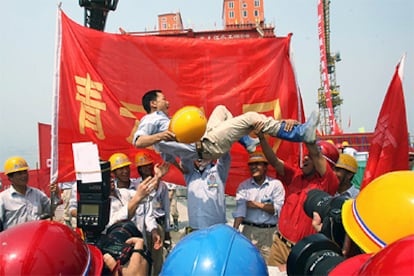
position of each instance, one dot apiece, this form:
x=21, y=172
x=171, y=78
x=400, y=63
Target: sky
x=371, y=37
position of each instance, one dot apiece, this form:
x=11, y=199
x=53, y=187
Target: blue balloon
x=217, y=250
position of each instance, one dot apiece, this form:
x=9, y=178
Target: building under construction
x=329, y=97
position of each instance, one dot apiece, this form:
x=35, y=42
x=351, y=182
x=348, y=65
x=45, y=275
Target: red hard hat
x=394, y=259
x=350, y=266
x=47, y=248
x=329, y=151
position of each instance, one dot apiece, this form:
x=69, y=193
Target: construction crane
x=329, y=99
x=96, y=12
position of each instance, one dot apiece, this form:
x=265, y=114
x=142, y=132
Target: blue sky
x=371, y=37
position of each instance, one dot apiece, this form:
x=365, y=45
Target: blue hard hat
x=216, y=250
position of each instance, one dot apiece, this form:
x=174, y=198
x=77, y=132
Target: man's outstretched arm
x=271, y=157
x=144, y=141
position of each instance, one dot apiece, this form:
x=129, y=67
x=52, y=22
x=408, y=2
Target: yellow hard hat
x=345, y=144
x=119, y=160
x=188, y=124
x=142, y=159
x=330, y=141
x=256, y=157
x=15, y=164
x=347, y=162
x=382, y=213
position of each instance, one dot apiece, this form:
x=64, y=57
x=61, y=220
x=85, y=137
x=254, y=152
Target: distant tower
x=170, y=22
x=238, y=13
x=336, y=99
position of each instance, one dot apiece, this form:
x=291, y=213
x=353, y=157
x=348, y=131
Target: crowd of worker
x=269, y=208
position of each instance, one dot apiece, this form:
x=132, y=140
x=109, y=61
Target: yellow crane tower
x=326, y=126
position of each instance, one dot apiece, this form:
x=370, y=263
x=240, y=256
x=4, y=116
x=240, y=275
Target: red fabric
x=294, y=224
x=388, y=150
x=102, y=78
x=44, y=145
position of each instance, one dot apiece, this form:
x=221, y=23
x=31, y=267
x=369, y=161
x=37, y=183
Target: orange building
x=170, y=22
x=238, y=13
x=241, y=19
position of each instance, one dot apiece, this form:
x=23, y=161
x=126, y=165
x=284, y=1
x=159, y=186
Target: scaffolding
x=332, y=58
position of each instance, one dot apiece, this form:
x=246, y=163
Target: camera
x=93, y=216
x=314, y=255
x=329, y=209
x=94, y=203
x=114, y=241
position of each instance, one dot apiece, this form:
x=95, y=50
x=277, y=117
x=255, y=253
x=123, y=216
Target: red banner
x=389, y=146
x=101, y=78
x=44, y=145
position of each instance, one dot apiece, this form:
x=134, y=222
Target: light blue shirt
x=352, y=192
x=205, y=192
x=144, y=216
x=160, y=200
x=157, y=122
x=16, y=208
x=271, y=191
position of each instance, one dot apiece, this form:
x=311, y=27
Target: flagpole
x=55, y=99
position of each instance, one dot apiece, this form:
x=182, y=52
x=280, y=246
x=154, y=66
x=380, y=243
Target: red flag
x=44, y=144
x=389, y=147
x=101, y=77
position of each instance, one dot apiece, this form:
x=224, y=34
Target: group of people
x=269, y=209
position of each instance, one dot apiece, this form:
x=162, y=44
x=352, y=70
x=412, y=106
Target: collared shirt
x=144, y=216
x=157, y=122
x=352, y=192
x=119, y=205
x=160, y=199
x=205, y=192
x=16, y=208
x=271, y=191
x=294, y=224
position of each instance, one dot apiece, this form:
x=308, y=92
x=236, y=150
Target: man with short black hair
x=21, y=203
x=222, y=131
